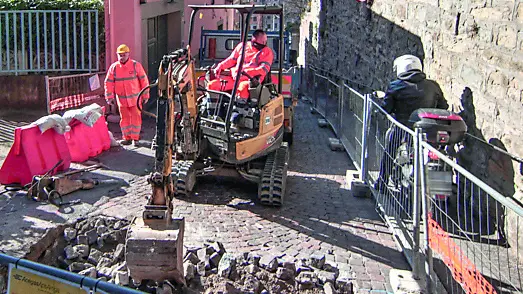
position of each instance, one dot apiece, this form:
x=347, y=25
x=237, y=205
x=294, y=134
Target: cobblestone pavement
x=318, y=215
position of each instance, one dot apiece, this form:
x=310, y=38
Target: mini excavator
x=194, y=138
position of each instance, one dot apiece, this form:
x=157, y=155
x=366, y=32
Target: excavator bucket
x=154, y=249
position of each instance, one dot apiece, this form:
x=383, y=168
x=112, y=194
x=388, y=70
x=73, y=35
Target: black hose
x=139, y=104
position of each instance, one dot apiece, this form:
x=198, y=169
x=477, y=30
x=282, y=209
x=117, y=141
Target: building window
x=253, y=27
x=254, y=18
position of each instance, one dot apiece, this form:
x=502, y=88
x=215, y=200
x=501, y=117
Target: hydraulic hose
x=139, y=104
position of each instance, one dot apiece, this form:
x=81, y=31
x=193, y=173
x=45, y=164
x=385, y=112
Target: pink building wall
x=210, y=20
x=125, y=23
x=123, y=26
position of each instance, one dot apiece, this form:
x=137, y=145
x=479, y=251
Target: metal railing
x=82, y=282
x=49, y=41
x=467, y=243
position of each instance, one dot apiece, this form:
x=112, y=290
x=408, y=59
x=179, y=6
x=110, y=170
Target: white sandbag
x=87, y=115
x=114, y=143
x=52, y=121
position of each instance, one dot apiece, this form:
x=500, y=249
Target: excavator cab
x=190, y=143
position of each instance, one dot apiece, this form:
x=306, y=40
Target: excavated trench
x=95, y=247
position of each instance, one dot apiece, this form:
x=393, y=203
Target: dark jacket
x=412, y=90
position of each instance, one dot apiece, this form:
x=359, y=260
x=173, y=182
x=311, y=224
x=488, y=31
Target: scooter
x=440, y=128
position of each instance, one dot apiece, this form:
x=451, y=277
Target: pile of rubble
x=211, y=270
x=95, y=248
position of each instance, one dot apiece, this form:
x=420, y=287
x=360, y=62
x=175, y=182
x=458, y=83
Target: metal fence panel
x=472, y=239
x=332, y=105
x=46, y=41
x=474, y=235
x=351, y=123
x=321, y=93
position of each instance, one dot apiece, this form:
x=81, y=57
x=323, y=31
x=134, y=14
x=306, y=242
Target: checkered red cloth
x=75, y=101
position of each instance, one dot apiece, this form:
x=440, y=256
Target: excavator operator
x=256, y=65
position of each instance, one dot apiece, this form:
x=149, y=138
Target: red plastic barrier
x=34, y=153
x=84, y=141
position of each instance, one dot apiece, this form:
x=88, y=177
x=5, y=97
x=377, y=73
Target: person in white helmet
x=410, y=91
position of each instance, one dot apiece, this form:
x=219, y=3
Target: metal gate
x=45, y=41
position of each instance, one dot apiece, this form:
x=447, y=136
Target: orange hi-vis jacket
x=256, y=62
x=126, y=81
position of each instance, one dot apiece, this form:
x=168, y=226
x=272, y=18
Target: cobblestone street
x=318, y=215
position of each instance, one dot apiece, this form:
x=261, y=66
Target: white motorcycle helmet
x=406, y=63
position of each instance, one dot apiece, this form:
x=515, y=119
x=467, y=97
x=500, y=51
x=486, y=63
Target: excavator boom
x=154, y=244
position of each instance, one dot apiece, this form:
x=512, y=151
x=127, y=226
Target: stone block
x=227, y=265
x=193, y=258
x=77, y=267
x=90, y=272
x=325, y=276
x=122, y=278
x=94, y=256
x=119, y=252
x=284, y=274
x=82, y=239
x=214, y=259
x=92, y=236
x=322, y=123
x=189, y=270
x=70, y=252
x=317, y=260
x=335, y=144
x=69, y=234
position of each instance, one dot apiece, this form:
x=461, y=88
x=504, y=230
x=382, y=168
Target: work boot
x=136, y=143
x=125, y=142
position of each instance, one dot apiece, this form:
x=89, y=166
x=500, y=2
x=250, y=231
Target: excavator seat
x=259, y=93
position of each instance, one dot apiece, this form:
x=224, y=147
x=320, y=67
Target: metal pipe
x=429, y=263
x=240, y=68
x=191, y=25
x=65, y=275
x=67, y=44
x=364, y=137
x=280, y=61
x=416, y=207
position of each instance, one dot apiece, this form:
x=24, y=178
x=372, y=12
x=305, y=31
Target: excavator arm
x=154, y=244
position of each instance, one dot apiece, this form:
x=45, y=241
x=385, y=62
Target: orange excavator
x=194, y=138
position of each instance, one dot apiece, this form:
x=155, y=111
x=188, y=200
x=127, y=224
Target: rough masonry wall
x=473, y=48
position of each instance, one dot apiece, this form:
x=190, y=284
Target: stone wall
x=23, y=92
x=472, y=48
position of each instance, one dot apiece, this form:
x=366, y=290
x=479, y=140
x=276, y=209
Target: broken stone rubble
x=207, y=269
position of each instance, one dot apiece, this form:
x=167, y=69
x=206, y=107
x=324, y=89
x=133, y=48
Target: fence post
x=416, y=206
x=315, y=101
x=341, y=91
x=425, y=205
x=47, y=95
x=364, y=137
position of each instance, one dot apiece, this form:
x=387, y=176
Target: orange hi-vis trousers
x=243, y=86
x=130, y=122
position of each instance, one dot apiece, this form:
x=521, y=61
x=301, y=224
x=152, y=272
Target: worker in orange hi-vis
x=124, y=81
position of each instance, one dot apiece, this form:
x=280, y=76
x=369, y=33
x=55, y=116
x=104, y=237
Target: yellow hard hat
x=122, y=49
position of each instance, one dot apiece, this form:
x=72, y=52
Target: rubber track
x=181, y=171
x=272, y=186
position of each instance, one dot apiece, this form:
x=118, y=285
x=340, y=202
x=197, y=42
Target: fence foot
x=402, y=281
x=356, y=185
x=322, y=123
x=335, y=144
